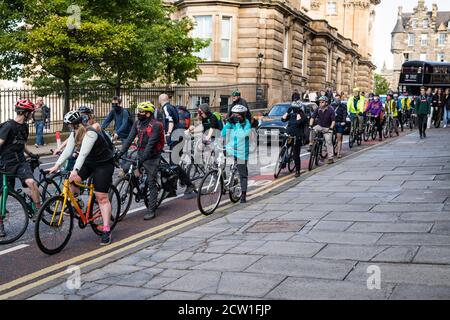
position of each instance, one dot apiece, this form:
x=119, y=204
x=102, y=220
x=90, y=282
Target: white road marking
x=14, y=249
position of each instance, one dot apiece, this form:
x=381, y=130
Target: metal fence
x=218, y=97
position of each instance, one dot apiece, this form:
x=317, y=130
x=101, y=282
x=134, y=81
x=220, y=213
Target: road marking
x=195, y=215
x=14, y=249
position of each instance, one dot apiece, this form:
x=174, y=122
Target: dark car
x=271, y=124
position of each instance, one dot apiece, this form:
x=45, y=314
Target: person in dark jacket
x=120, y=116
x=438, y=107
x=423, y=110
x=295, y=96
x=297, y=120
x=238, y=100
x=340, y=109
x=447, y=107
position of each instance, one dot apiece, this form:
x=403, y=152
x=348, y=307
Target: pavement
x=373, y=226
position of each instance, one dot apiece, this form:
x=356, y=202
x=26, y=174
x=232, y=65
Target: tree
x=381, y=84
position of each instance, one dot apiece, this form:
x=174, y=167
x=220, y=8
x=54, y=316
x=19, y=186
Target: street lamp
x=260, y=58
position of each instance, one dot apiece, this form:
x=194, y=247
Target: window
x=414, y=24
x=425, y=23
x=441, y=39
x=225, y=45
x=424, y=39
x=203, y=30
x=440, y=57
x=286, y=49
x=331, y=7
x=304, y=60
x=411, y=39
x=196, y=101
x=423, y=57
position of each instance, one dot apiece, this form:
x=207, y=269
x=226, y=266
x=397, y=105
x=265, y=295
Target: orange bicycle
x=54, y=223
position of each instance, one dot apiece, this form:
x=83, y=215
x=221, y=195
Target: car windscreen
x=279, y=110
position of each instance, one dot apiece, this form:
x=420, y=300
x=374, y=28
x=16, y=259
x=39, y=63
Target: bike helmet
x=323, y=98
x=236, y=93
x=146, y=106
x=72, y=117
x=86, y=109
x=239, y=109
x=25, y=105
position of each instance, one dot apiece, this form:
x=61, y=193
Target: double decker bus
x=416, y=74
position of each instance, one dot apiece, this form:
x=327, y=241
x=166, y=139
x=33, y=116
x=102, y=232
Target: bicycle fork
x=4, y=197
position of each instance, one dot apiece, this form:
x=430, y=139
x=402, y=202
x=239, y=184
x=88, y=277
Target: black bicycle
x=370, y=129
x=318, y=151
x=286, y=155
x=355, y=133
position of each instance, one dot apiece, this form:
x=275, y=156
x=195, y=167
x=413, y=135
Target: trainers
x=106, y=238
x=149, y=215
x=330, y=161
x=309, y=148
x=172, y=194
x=424, y=135
x=2, y=230
x=297, y=174
x=36, y=145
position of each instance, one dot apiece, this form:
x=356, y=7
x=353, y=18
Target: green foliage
x=381, y=84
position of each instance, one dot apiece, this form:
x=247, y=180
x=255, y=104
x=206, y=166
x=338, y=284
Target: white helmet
x=72, y=117
x=239, y=109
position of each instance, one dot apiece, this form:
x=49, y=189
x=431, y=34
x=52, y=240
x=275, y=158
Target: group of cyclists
x=93, y=153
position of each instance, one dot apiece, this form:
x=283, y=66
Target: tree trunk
x=66, y=100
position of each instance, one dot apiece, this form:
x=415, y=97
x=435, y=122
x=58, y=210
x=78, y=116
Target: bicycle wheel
x=280, y=162
x=312, y=158
x=210, y=192
x=54, y=226
x=95, y=217
x=323, y=152
x=291, y=162
x=366, y=133
x=125, y=188
x=48, y=187
x=374, y=133
x=235, y=191
x=15, y=221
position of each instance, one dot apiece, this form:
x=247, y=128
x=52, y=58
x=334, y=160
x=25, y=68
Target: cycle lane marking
x=196, y=215
x=16, y=248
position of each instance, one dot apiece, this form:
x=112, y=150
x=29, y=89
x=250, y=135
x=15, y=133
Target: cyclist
x=326, y=120
x=209, y=121
x=237, y=132
x=150, y=145
x=296, y=119
x=391, y=110
x=340, y=110
x=375, y=109
x=184, y=116
x=171, y=118
x=96, y=159
x=404, y=108
x=13, y=139
x=239, y=101
x=121, y=116
x=355, y=108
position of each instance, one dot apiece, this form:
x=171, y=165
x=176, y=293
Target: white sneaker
x=445, y=126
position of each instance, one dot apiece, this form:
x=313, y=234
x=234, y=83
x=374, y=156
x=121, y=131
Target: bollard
x=58, y=139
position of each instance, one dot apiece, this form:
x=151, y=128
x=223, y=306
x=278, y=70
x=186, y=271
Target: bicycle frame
x=68, y=195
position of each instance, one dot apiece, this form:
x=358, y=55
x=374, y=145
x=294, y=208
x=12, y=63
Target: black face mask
x=142, y=117
x=116, y=107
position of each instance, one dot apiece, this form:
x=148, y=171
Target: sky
x=385, y=20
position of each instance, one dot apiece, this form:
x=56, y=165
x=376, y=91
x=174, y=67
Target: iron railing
x=218, y=97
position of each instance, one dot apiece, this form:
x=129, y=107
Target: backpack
x=218, y=115
x=1, y=126
x=162, y=138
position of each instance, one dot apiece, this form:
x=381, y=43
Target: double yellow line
x=148, y=235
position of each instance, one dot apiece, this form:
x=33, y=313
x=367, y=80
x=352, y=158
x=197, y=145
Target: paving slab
x=124, y=293
x=437, y=255
x=256, y=285
x=420, y=292
x=349, y=252
x=398, y=227
x=229, y=262
x=197, y=281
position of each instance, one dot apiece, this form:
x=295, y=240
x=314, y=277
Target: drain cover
x=276, y=226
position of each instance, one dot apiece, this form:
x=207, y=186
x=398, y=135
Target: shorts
x=340, y=128
x=101, y=173
x=21, y=170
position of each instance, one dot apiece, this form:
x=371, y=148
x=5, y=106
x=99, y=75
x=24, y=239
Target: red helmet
x=25, y=105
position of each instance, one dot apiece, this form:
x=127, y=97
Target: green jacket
x=422, y=105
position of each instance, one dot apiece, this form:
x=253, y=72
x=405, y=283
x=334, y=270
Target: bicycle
x=135, y=184
x=317, y=151
x=388, y=126
x=215, y=183
x=370, y=130
x=286, y=155
x=15, y=221
x=355, y=133
x=54, y=223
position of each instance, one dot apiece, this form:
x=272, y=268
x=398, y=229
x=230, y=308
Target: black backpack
x=1, y=126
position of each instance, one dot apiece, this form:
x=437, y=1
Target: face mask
x=141, y=117
x=85, y=120
x=376, y=99
x=116, y=107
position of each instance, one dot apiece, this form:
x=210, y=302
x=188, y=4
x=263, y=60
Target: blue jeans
x=446, y=116
x=39, y=132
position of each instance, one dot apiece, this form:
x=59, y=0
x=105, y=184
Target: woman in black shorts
x=96, y=160
x=341, y=117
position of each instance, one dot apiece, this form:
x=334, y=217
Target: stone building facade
x=298, y=47
x=420, y=35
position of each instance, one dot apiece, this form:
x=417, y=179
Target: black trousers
x=297, y=150
x=422, y=123
x=243, y=175
x=379, y=126
x=400, y=119
x=151, y=167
